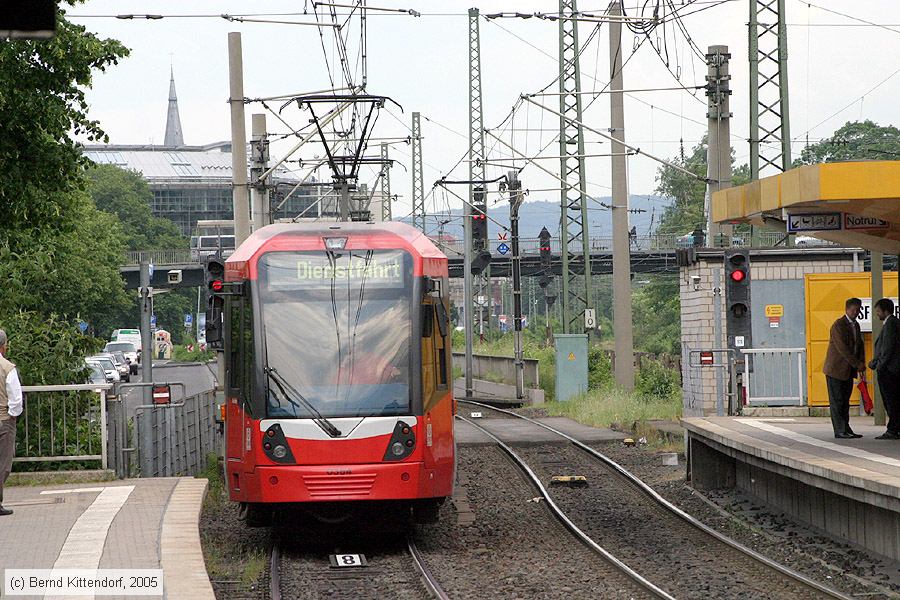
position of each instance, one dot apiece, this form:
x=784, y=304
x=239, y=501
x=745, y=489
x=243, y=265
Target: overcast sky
x=422, y=62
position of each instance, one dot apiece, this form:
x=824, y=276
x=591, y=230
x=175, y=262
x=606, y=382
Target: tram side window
x=240, y=373
x=441, y=343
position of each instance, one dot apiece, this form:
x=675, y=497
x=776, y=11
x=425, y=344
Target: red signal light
x=217, y=285
x=738, y=275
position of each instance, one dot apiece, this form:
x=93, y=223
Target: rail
x=769, y=376
x=661, y=242
x=668, y=506
x=63, y=423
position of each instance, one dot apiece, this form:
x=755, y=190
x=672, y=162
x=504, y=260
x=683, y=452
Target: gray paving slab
x=518, y=432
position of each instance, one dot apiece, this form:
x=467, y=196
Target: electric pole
x=418, y=185
x=259, y=164
x=240, y=193
x=573, y=201
x=385, y=183
x=515, y=201
x=718, y=154
x=622, y=323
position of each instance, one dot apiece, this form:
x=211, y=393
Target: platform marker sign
x=502, y=248
x=342, y=561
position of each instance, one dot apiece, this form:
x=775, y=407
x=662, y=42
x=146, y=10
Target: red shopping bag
x=866, y=398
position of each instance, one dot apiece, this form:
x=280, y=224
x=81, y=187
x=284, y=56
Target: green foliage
x=657, y=316
x=47, y=349
x=599, y=368
x=182, y=354
x=59, y=256
x=688, y=193
x=856, y=140
x=657, y=381
x=126, y=195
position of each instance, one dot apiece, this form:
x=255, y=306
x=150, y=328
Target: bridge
x=649, y=254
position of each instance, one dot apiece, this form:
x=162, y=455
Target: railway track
x=394, y=569
x=641, y=528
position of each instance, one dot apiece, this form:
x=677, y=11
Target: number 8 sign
x=340, y=561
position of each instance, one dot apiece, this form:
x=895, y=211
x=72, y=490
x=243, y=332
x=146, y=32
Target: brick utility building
x=778, y=278
x=192, y=183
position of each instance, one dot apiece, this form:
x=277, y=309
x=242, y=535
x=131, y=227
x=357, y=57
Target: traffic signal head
x=479, y=225
x=215, y=274
x=544, y=240
x=737, y=301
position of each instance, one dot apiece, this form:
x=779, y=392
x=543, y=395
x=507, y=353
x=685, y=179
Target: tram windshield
x=337, y=327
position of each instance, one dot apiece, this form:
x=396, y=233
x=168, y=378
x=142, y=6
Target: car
x=121, y=367
x=124, y=366
x=97, y=374
x=128, y=349
x=109, y=368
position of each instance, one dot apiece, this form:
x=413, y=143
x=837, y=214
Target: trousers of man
x=7, y=450
x=839, y=391
x=889, y=385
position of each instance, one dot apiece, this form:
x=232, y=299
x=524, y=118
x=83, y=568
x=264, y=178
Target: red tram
x=336, y=340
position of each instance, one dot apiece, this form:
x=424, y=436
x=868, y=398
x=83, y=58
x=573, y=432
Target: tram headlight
x=279, y=451
x=397, y=449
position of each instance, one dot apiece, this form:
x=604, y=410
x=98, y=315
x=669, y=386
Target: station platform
x=847, y=488
x=127, y=524
x=518, y=432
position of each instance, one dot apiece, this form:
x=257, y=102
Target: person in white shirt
x=10, y=408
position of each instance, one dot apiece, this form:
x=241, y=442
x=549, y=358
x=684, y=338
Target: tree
x=59, y=255
x=856, y=140
x=126, y=195
x=688, y=193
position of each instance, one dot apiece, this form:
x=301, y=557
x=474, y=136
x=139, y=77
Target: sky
x=839, y=69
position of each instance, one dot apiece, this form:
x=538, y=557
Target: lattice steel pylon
x=477, y=191
x=573, y=202
x=418, y=186
x=385, y=183
x=770, y=132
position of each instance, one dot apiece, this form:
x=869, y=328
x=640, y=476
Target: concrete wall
x=502, y=366
x=698, y=316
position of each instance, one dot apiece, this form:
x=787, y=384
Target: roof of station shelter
x=860, y=188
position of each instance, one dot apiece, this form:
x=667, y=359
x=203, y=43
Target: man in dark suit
x=845, y=358
x=886, y=363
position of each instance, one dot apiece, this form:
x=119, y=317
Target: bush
x=599, y=368
x=656, y=381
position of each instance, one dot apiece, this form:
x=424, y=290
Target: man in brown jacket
x=845, y=358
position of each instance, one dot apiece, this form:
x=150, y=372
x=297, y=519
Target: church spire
x=174, y=136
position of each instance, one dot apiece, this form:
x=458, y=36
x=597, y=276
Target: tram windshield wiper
x=291, y=392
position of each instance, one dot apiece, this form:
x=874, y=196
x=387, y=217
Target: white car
x=128, y=349
x=109, y=368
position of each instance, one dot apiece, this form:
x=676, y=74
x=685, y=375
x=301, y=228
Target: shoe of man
x=5, y=511
x=845, y=436
x=888, y=435
x=854, y=435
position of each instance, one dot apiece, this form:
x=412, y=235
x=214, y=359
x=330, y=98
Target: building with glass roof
x=193, y=183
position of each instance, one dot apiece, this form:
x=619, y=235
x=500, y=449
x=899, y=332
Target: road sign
x=82, y=327
x=188, y=319
x=706, y=359
x=150, y=268
x=152, y=321
x=815, y=222
x=590, y=319
x=857, y=222
x=503, y=248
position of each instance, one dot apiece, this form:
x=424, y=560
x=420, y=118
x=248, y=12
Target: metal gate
x=174, y=439
x=775, y=376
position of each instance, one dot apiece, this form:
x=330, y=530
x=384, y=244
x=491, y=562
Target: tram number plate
x=340, y=561
x=475, y=415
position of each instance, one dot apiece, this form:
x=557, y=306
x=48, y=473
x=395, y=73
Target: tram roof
x=407, y=236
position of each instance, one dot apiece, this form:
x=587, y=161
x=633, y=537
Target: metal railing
x=769, y=376
x=662, y=242
x=62, y=423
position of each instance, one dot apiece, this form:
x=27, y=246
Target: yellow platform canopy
x=851, y=203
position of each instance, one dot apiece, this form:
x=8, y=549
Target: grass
x=630, y=412
x=215, y=491
x=42, y=478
